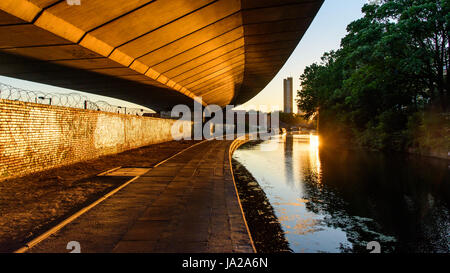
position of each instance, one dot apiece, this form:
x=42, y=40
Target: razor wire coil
x=72, y=100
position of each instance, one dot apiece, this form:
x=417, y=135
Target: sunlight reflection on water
x=330, y=204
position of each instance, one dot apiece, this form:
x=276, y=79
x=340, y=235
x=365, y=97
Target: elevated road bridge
x=154, y=53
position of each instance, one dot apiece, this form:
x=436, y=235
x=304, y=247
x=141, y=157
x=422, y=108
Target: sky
x=324, y=34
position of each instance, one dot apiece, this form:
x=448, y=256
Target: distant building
x=288, y=95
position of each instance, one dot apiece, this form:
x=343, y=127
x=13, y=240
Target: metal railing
x=72, y=100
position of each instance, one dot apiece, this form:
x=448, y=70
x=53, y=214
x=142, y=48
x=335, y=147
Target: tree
x=391, y=64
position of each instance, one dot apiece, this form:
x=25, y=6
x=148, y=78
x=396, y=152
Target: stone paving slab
x=128, y=172
x=186, y=205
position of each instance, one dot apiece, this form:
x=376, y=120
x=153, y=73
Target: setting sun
x=314, y=140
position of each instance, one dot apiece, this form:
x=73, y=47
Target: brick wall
x=35, y=137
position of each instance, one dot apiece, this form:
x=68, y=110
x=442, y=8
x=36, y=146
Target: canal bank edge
x=258, y=213
x=233, y=147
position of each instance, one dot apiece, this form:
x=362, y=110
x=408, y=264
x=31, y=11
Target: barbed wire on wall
x=73, y=100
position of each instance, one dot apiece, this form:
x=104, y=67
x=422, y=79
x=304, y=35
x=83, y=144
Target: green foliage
x=430, y=133
x=296, y=120
x=390, y=65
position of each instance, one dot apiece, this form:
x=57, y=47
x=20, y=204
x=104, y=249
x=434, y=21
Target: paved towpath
x=188, y=204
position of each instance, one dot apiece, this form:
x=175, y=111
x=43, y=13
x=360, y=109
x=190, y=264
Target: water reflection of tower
x=289, y=159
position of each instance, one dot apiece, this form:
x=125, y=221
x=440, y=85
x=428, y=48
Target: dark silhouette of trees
x=391, y=66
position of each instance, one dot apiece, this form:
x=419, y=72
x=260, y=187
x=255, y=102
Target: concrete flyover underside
x=154, y=53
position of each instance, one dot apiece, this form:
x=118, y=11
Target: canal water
x=339, y=201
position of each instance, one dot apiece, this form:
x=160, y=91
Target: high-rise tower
x=288, y=92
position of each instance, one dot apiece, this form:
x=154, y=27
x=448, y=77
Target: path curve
x=188, y=204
